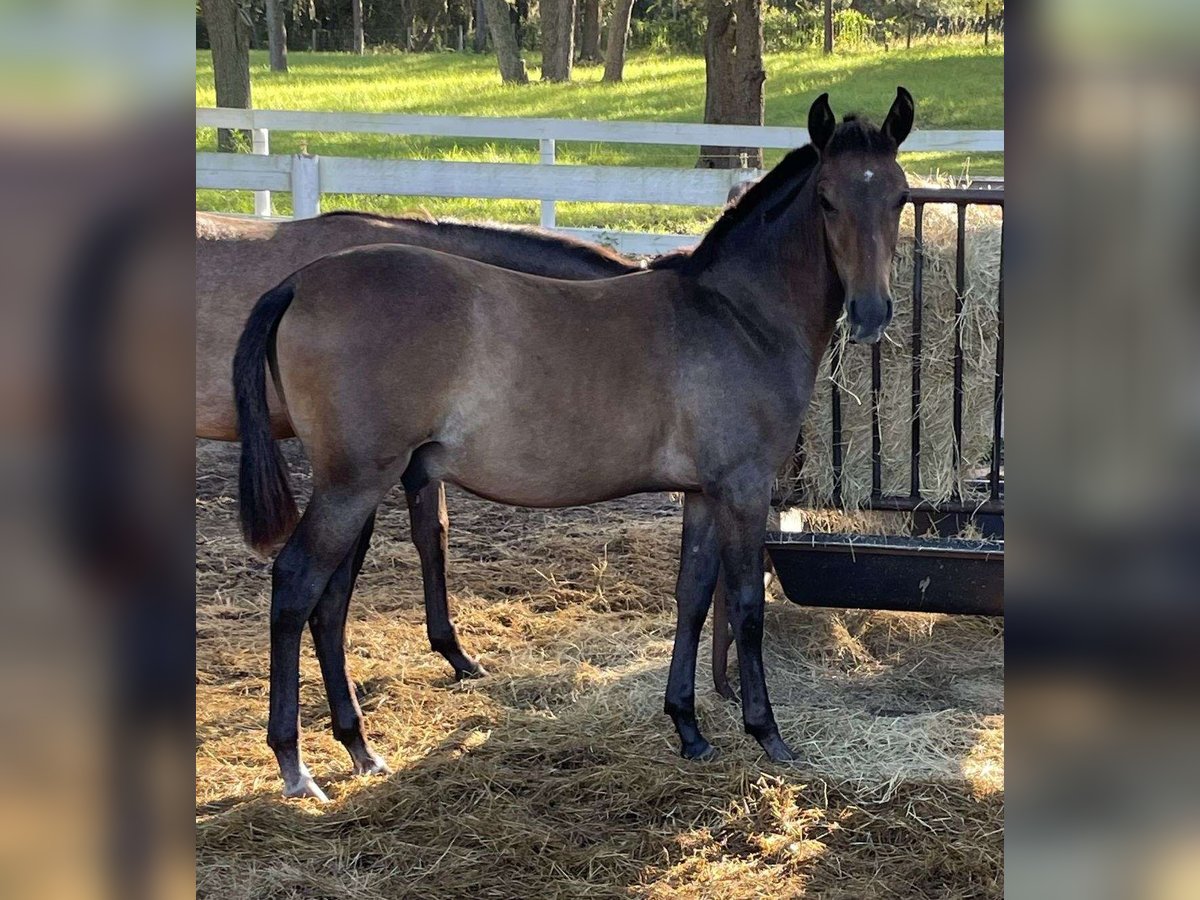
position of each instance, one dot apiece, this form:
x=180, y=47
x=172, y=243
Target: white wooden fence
x=308, y=177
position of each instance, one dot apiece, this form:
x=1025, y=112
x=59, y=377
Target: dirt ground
x=557, y=775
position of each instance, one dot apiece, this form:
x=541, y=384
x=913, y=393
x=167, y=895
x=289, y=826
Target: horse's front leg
x=741, y=518
x=698, y=565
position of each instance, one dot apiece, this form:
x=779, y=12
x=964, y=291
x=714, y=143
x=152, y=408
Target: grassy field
x=957, y=86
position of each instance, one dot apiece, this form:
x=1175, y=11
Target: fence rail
x=307, y=177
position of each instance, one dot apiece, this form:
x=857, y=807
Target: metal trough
x=942, y=575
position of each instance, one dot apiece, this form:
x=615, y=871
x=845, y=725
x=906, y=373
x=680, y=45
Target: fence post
x=261, y=145
x=306, y=186
x=546, y=145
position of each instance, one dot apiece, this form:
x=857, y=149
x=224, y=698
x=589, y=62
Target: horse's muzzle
x=868, y=318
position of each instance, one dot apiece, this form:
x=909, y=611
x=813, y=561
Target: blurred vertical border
x=1103, y=413
x=96, y=456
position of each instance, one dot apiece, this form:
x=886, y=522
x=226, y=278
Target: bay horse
x=239, y=258
x=405, y=365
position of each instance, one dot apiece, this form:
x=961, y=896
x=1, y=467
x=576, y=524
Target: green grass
x=957, y=86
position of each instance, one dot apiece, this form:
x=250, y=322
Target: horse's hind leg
x=328, y=627
x=722, y=640
x=328, y=531
x=430, y=532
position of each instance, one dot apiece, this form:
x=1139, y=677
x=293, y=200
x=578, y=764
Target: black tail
x=268, y=510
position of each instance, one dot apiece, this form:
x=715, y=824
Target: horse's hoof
x=305, y=787
x=776, y=749
x=372, y=766
x=726, y=691
x=701, y=750
x=475, y=670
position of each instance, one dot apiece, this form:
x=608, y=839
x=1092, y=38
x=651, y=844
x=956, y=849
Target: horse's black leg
x=741, y=519
x=325, y=537
x=430, y=532
x=698, y=565
x=722, y=640
x=328, y=627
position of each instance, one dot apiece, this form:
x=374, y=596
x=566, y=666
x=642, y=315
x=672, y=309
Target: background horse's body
x=403, y=365
x=238, y=259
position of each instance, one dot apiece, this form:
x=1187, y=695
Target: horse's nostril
x=853, y=309
x=890, y=308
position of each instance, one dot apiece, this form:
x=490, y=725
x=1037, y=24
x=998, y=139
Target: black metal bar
x=908, y=504
x=982, y=196
x=835, y=362
x=998, y=395
x=918, y=303
x=876, y=434
x=960, y=280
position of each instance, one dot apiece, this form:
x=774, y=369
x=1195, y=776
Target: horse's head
x=861, y=190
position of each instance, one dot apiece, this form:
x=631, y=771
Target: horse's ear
x=899, y=121
x=821, y=122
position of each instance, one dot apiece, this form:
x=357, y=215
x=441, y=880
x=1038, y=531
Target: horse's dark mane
x=855, y=134
x=795, y=167
x=565, y=242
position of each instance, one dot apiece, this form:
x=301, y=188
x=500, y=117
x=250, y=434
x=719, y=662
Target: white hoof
x=305, y=787
x=373, y=766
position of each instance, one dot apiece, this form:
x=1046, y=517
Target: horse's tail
x=268, y=509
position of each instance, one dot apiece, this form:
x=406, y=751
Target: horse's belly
x=538, y=473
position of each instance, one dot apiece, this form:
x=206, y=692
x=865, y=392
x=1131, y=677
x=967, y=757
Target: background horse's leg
x=430, y=532
x=327, y=533
x=722, y=640
x=741, y=521
x=328, y=626
x=698, y=566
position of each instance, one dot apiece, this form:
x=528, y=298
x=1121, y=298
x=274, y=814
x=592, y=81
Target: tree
x=618, y=32
x=733, y=77
x=589, y=38
x=508, y=54
x=228, y=24
x=356, y=14
x=558, y=39
x=828, y=26
x=479, y=38
x=276, y=37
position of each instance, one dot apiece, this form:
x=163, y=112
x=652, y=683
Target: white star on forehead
x=868, y=175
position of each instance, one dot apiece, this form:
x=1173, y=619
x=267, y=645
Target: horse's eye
x=826, y=205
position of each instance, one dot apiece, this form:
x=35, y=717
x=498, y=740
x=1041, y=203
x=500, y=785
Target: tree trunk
x=987, y=21
x=356, y=15
x=558, y=39
x=618, y=32
x=828, y=26
x=734, y=76
x=908, y=35
x=276, y=37
x=749, y=74
x=479, y=38
x=229, y=38
x=508, y=54
x=589, y=39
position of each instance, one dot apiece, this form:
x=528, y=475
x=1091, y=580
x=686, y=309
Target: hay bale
x=814, y=485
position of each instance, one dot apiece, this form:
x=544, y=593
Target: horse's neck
x=781, y=271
